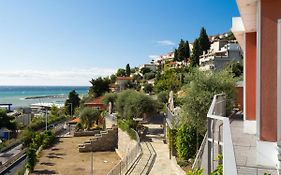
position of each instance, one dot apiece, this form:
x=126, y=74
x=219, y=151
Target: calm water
x=17, y=94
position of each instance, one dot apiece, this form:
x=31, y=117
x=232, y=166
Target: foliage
x=148, y=88
x=196, y=52
x=26, y=137
x=195, y=172
x=169, y=80
x=204, y=41
x=7, y=121
x=73, y=102
x=131, y=104
x=78, y=126
x=163, y=97
x=186, y=141
x=127, y=125
x=113, y=78
x=183, y=51
x=121, y=73
x=49, y=138
x=31, y=158
x=149, y=75
x=88, y=116
x=201, y=88
x=137, y=77
x=128, y=70
x=236, y=68
x=99, y=86
x=145, y=70
x=109, y=97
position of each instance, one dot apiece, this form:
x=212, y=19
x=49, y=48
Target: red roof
x=96, y=101
x=124, y=78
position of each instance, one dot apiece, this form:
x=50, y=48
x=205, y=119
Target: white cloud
x=166, y=43
x=49, y=77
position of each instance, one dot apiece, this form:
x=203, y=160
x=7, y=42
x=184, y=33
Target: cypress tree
x=181, y=51
x=128, y=70
x=186, y=50
x=194, y=60
x=204, y=41
x=175, y=55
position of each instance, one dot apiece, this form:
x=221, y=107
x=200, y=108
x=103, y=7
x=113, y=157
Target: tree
x=148, y=88
x=183, y=51
x=186, y=50
x=121, y=73
x=131, y=104
x=194, y=60
x=31, y=158
x=145, y=70
x=7, y=121
x=88, y=115
x=73, y=102
x=99, y=86
x=113, y=78
x=128, y=70
x=110, y=97
x=204, y=41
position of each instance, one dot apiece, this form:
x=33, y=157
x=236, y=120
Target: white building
x=220, y=53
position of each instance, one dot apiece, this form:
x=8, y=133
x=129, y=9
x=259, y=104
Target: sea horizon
x=24, y=95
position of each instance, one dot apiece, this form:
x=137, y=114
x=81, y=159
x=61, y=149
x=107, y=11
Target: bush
x=186, y=141
x=49, y=139
x=31, y=158
x=127, y=126
x=149, y=75
x=148, y=88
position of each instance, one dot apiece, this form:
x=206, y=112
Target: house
x=97, y=103
x=220, y=54
x=258, y=32
x=162, y=59
x=152, y=67
x=121, y=83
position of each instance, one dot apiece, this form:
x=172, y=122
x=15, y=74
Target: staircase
x=104, y=141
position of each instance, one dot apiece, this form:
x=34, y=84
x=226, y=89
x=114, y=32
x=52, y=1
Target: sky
x=68, y=42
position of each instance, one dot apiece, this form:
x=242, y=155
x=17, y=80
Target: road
x=5, y=156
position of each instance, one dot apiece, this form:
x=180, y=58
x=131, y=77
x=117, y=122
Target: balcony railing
x=216, y=118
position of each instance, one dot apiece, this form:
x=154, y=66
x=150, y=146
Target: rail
x=216, y=118
x=125, y=164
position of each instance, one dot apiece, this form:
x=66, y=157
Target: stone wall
x=105, y=141
x=86, y=133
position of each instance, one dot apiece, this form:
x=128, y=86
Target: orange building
x=258, y=31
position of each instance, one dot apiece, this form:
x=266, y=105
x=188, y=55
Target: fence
x=216, y=119
x=125, y=164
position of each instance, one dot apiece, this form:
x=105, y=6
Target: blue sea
x=20, y=96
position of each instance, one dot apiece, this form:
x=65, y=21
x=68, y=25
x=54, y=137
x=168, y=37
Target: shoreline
x=45, y=96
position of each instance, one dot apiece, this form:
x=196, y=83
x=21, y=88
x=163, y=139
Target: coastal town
x=209, y=106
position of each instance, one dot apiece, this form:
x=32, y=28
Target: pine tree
x=128, y=70
x=204, y=41
x=194, y=60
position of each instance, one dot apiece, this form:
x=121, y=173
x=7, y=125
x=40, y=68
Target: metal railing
x=216, y=118
x=126, y=163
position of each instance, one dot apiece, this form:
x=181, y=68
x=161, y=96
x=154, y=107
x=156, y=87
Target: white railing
x=129, y=160
x=216, y=119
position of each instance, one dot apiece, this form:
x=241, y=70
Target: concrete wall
x=125, y=143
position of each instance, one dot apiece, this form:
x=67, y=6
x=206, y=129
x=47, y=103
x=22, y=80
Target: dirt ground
x=64, y=158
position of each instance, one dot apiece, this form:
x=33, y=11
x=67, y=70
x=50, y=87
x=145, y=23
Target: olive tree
x=88, y=116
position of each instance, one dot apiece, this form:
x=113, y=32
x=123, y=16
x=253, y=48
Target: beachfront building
x=220, y=54
x=258, y=31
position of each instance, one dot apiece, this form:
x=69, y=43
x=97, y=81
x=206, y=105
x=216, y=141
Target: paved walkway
x=163, y=165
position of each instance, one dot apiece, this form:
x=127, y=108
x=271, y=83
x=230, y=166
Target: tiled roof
x=95, y=101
